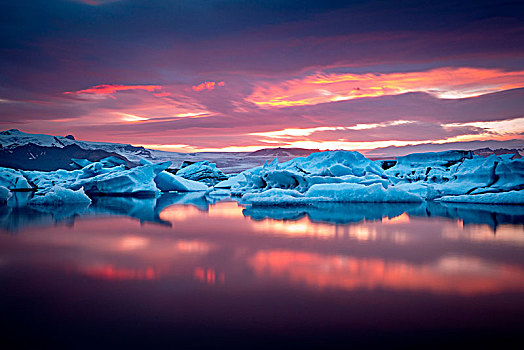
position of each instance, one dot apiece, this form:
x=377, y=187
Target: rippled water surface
x=189, y=271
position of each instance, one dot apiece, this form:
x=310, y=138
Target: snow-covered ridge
x=14, y=138
x=228, y=162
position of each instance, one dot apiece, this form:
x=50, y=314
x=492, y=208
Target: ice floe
x=510, y=197
x=345, y=176
x=331, y=176
x=13, y=179
x=5, y=194
x=59, y=196
x=203, y=171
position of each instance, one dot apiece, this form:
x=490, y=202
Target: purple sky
x=244, y=75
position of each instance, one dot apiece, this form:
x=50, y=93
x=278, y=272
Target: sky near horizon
x=233, y=75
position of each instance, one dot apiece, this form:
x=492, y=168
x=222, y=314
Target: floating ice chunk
x=138, y=181
x=340, y=170
x=421, y=189
x=231, y=182
x=431, y=166
x=341, y=162
x=302, y=173
x=13, y=179
x=168, y=182
x=510, y=197
x=353, y=192
x=112, y=161
x=276, y=196
x=509, y=175
x=338, y=192
x=61, y=196
x=45, y=180
x=80, y=163
x=203, y=172
x=5, y=194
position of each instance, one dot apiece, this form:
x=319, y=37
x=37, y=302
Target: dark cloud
x=51, y=47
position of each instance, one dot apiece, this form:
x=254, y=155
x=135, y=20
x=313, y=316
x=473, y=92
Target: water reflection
x=188, y=257
x=342, y=246
x=449, y=274
x=162, y=210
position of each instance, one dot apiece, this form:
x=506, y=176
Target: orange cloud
x=107, y=89
x=207, y=85
x=448, y=82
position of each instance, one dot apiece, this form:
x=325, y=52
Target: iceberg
x=337, y=193
x=59, y=196
x=138, y=181
x=276, y=196
x=353, y=192
x=203, y=171
x=344, y=176
x=168, y=182
x=510, y=197
x=303, y=172
x=13, y=180
x=5, y=194
x=323, y=177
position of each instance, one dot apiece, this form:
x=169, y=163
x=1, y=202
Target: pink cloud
x=449, y=83
x=207, y=85
x=107, y=89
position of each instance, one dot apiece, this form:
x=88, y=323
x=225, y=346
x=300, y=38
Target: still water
x=190, y=271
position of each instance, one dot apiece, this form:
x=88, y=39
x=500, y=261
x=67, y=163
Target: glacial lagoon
x=190, y=270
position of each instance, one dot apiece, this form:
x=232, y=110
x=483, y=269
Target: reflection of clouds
x=109, y=248
x=401, y=219
x=177, y=212
x=304, y=227
x=504, y=234
x=209, y=276
x=226, y=210
x=180, y=213
x=448, y=275
x=363, y=246
x=133, y=242
x=110, y=272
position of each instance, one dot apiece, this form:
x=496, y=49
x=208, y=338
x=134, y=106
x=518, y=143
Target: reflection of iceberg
x=140, y=208
x=339, y=213
x=61, y=213
x=149, y=209
x=198, y=199
x=492, y=214
x=17, y=214
x=17, y=218
x=342, y=213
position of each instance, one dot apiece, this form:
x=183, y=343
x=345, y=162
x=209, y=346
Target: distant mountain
x=45, y=152
x=44, y=158
x=14, y=138
x=486, y=152
x=394, y=151
x=283, y=152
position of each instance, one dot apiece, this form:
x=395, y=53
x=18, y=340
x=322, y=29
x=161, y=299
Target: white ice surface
x=510, y=197
x=13, y=179
x=5, y=194
x=60, y=196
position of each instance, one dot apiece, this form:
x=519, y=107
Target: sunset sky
x=243, y=75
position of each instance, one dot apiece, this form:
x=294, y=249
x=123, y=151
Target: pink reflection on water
x=453, y=275
x=204, y=246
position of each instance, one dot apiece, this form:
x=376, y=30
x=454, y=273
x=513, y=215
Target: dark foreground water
x=180, y=272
